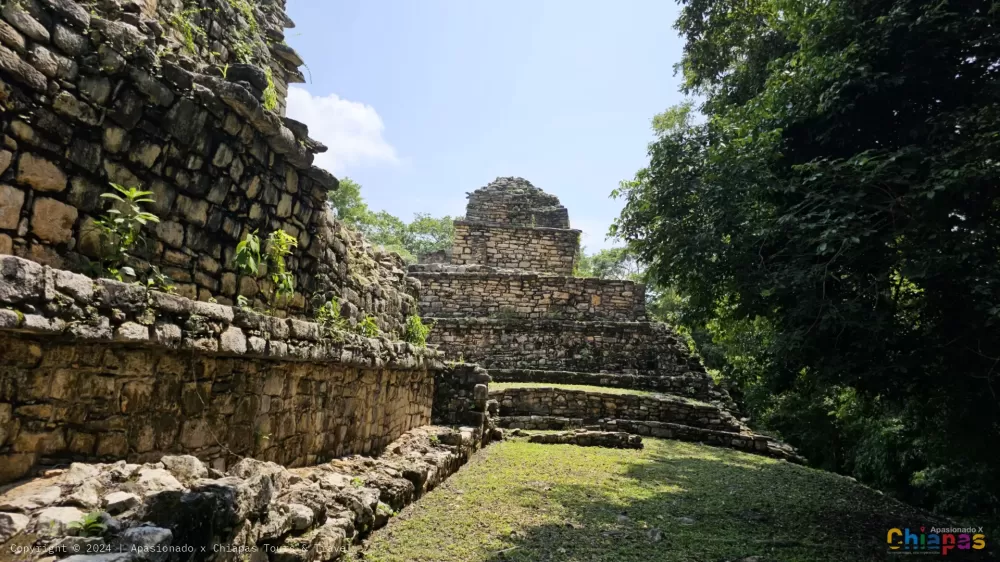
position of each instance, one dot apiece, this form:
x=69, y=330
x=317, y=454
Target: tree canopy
x=834, y=226
x=411, y=240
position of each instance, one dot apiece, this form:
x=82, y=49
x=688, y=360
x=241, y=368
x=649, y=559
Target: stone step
x=591, y=406
x=694, y=384
x=744, y=441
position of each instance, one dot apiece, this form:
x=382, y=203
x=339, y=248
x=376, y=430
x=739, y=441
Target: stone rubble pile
x=179, y=509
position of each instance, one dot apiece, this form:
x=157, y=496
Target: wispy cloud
x=352, y=130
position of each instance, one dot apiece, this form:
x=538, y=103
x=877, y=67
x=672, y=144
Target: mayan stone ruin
x=508, y=301
x=210, y=412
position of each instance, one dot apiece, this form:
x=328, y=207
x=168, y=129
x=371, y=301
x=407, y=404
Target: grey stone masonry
x=97, y=369
x=175, y=98
x=543, y=250
x=592, y=406
x=515, y=202
x=490, y=292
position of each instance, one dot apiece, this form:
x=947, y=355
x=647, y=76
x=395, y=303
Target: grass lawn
x=672, y=501
x=584, y=387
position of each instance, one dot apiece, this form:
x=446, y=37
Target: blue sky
x=422, y=101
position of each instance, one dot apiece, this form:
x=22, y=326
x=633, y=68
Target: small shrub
x=329, y=317
x=357, y=482
x=270, y=93
x=416, y=331
x=368, y=328
x=119, y=230
x=248, y=259
x=90, y=525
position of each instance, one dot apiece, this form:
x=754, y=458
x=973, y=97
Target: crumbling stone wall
x=562, y=345
x=111, y=93
x=548, y=250
x=515, y=202
x=108, y=370
x=461, y=391
x=491, y=293
x=593, y=406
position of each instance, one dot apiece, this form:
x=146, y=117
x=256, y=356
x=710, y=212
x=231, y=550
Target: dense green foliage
x=416, y=331
x=423, y=235
x=834, y=225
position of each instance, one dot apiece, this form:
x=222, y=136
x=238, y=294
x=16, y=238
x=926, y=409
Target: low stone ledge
x=694, y=384
x=748, y=442
x=540, y=422
x=299, y=514
x=587, y=438
x=49, y=302
x=591, y=406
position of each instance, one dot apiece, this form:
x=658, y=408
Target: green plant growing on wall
x=367, y=327
x=270, y=93
x=249, y=258
x=90, y=525
x=416, y=331
x=189, y=30
x=247, y=261
x=119, y=230
x=329, y=317
x=279, y=246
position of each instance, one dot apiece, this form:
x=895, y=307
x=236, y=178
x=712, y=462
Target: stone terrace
x=508, y=301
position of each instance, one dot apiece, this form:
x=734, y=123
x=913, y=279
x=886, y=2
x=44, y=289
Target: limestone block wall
x=547, y=250
x=514, y=201
x=693, y=384
x=529, y=295
x=101, y=95
x=592, y=406
x=460, y=394
x=96, y=370
x=552, y=345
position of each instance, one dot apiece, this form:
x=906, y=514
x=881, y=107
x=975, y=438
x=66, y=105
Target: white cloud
x=352, y=130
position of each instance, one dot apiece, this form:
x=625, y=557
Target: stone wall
x=108, y=370
x=514, y=201
x=593, y=406
x=528, y=295
x=93, y=96
x=546, y=250
x=554, y=345
x=693, y=384
x=461, y=391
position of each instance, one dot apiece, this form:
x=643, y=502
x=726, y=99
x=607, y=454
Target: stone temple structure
x=508, y=301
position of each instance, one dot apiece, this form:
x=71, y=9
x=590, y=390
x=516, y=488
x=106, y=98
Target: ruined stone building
x=508, y=301
x=214, y=414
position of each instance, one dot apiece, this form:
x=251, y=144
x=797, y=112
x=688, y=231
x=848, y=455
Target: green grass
x=583, y=387
x=527, y=502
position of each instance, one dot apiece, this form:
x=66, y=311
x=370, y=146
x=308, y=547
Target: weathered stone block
x=11, y=201
x=53, y=220
x=39, y=173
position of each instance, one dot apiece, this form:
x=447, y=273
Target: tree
x=425, y=234
x=348, y=203
x=834, y=227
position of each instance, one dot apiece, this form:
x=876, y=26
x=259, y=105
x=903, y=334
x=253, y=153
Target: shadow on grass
x=697, y=504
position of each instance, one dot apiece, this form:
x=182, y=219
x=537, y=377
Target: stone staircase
x=505, y=298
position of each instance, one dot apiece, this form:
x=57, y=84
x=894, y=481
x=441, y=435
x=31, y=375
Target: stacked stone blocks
x=115, y=92
x=509, y=302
